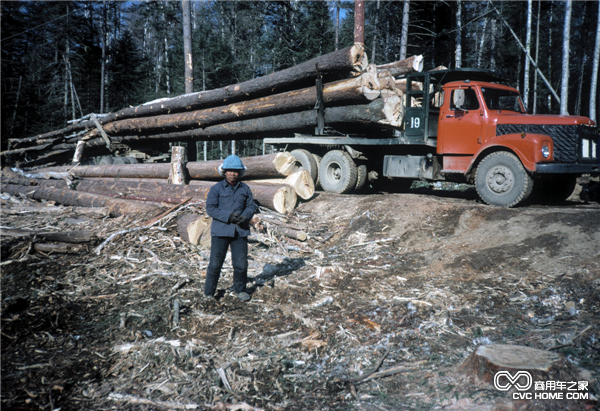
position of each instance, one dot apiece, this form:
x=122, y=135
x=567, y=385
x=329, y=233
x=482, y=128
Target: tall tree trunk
x=550, y=56
x=528, y=48
x=187, y=47
x=537, y=55
x=337, y=24
x=493, y=48
x=594, y=86
x=103, y=62
x=564, y=84
x=14, y=117
x=404, y=34
x=458, y=50
x=482, y=41
x=375, y=34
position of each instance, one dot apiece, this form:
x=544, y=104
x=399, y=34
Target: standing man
x=231, y=206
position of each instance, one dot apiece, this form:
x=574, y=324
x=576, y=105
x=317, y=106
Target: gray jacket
x=223, y=200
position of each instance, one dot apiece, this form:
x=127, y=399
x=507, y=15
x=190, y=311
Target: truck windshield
x=501, y=100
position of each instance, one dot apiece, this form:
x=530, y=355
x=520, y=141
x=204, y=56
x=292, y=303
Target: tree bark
x=413, y=64
x=63, y=248
x=359, y=23
x=528, y=49
x=300, y=181
x=404, y=33
x=187, y=47
x=564, y=84
x=177, y=173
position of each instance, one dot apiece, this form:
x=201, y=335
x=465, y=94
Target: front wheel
x=502, y=180
x=337, y=172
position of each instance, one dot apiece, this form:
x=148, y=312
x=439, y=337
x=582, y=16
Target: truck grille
x=572, y=144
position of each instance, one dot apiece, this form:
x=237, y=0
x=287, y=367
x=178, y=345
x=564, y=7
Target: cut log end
x=487, y=360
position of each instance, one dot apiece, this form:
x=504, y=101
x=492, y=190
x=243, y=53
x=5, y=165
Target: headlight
x=546, y=151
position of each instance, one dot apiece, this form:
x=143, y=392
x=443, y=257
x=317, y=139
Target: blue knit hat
x=232, y=162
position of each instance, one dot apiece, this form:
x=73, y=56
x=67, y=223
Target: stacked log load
x=354, y=92
x=282, y=103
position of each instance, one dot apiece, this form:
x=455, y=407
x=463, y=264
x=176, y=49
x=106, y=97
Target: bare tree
x=404, y=35
x=528, y=49
x=594, y=87
x=537, y=55
x=458, y=52
x=187, y=46
x=564, y=84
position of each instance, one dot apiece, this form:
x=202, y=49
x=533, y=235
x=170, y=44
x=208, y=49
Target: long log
x=281, y=198
x=63, y=248
x=73, y=237
x=266, y=166
x=371, y=114
x=351, y=91
x=340, y=64
x=116, y=206
x=409, y=65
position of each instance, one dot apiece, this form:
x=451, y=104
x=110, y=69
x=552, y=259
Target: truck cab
x=482, y=134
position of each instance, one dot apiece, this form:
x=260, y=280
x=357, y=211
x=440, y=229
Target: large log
x=266, y=166
x=116, y=206
x=300, y=181
x=351, y=91
x=371, y=115
x=409, y=65
x=281, y=198
x=340, y=64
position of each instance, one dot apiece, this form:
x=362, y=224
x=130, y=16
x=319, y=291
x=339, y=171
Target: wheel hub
x=334, y=171
x=500, y=179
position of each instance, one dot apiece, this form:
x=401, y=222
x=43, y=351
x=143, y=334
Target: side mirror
x=458, y=98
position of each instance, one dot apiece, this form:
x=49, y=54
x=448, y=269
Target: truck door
x=461, y=125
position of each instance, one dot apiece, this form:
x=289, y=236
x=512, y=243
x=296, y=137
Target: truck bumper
x=557, y=168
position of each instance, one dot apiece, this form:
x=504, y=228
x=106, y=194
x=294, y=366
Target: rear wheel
x=553, y=189
x=361, y=177
x=502, y=180
x=338, y=173
x=105, y=160
x=306, y=161
x=318, y=160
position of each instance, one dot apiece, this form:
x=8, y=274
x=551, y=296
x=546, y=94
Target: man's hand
x=237, y=218
x=234, y=218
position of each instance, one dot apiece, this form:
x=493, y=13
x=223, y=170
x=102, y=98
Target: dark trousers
x=239, y=260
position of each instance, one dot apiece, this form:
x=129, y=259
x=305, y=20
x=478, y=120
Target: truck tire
x=306, y=161
x=105, y=160
x=501, y=180
x=361, y=177
x=553, y=189
x=338, y=172
x=121, y=160
x=318, y=160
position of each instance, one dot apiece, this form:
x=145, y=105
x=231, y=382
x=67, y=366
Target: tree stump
x=487, y=360
x=194, y=229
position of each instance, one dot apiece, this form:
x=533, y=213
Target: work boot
x=209, y=298
x=243, y=296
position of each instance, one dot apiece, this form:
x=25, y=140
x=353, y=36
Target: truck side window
x=464, y=99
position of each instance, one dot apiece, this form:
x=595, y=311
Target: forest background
x=63, y=60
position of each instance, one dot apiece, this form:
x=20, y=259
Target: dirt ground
x=407, y=283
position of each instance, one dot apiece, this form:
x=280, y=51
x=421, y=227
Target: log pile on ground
x=283, y=102
x=141, y=188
